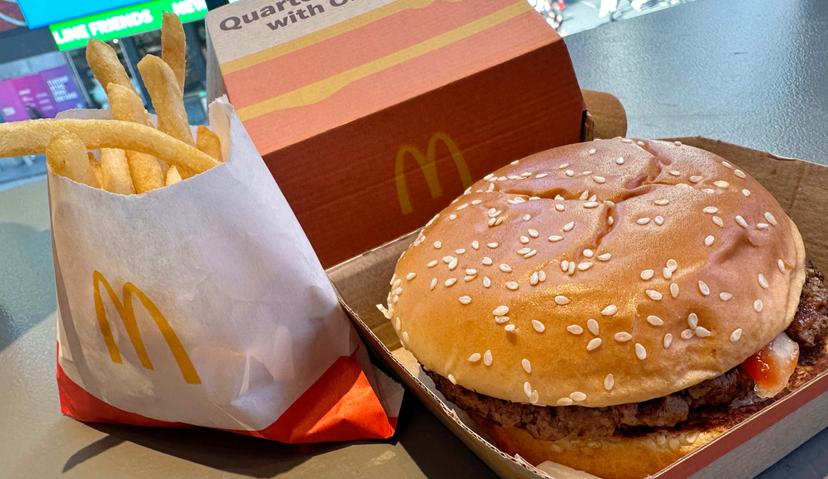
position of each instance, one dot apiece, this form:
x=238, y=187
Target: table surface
x=692, y=69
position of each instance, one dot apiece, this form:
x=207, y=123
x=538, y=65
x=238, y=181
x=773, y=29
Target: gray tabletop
x=760, y=81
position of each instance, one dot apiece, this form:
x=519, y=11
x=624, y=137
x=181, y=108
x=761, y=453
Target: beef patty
x=706, y=400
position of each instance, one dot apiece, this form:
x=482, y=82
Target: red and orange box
x=373, y=114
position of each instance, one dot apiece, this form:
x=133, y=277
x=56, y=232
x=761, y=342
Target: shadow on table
x=27, y=289
x=434, y=449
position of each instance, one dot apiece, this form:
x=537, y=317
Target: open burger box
x=373, y=115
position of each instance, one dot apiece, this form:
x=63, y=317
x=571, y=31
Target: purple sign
x=11, y=108
x=34, y=93
x=64, y=90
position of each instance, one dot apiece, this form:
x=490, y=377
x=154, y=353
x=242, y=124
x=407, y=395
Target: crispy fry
x=104, y=63
x=145, y=170
x=174, y=47
x=126, y=104
x=115, y=172
x=208, y=142
x=31, y=137
x=166, y=98
x=173, y=176
x=66, y=155
x=96, y=167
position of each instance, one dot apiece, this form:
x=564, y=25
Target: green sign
x=123, y=22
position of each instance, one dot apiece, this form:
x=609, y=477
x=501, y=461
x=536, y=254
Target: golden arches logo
x=428, y=167
x=127, y=314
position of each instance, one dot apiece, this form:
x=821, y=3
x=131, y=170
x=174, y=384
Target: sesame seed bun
x=657, y=267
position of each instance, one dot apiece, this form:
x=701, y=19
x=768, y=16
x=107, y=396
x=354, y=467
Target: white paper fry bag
x=203, y=303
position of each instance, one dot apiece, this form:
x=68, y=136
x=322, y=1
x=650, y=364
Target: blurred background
x=43, y=68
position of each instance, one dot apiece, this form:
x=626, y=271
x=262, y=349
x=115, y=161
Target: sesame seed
x=476, y=202
x=564, y=266
x=559, y=207
x=746, y=192
x=725, y=296
x=696, y=178
x=741, y=221
x=709, y=239
x=667, y=341
x=405, y=337
x=672, y=264
x=622, y=336
x=505, y=268
x=569, y=173
x=492, y=245
x=588, y=253
x=610, y=220
x=475, y=245
x=781, y=265
x=487, y=282
x=736, y=335
x=502, y=319
x=604, y=257
x=709, y=191
x=693, y=320
x=674, y=290
x=771, y=219
x=619, y=160
x=564, y=402
x=703, y=332
x=561, y=300
x=675, y=172
x=667, y=273
x=758, y=305
x=487, y=357
x=501, y=310
x=474, y=357
x=677, y=143
x=489, y=176
x=524, y=239
x=511, y=285
x=523, y=251
x=555, y=238
x=397, y=323
x=432, y=284
x=591, y=151
x=452, y=217
x=464, y=299
x=653, y=294
x=599, y=179
x=452, y=264
x=687, y=334
x=452, y=378
x=578, y=396
x=535, y=397
x=626, y=140
x=647, y=274
x=659, y=220
x=710, y=210
x=640, y=351
x=591, y=204
x=662, y=201
x=703, y=288
x=438, y=244
x=609, y=310
x=510, y=328
x=538, y=326
x=526, y=365
x=592, y=326
x=740, y=174
x=762, y=226
x=655, y=320
x=763, y=282
x=721, y=183
x=432, y=263
x=541, y=276
x=643, y=221
x=568, y=227
x=527, y=389
x=486, y=261
x=584, y=265
x=727, y=164
x=533, y=233
x=411, y=276
x=609, y=382
x=541, y=175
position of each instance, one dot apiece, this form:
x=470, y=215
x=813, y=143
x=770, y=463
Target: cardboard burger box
x=746, y=450
x=373, y=114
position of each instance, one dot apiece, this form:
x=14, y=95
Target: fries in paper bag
x=187, y=292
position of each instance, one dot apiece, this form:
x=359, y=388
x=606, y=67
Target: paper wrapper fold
x=204, y=304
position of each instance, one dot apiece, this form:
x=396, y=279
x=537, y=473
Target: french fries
x=166, y=98
x=66, y=155
x=33, y=136
x=96, y=167
x=115, y=175
x=126, y=104
x=173, y=176
x=104, y=63
x=174, y=47
x=208, y=142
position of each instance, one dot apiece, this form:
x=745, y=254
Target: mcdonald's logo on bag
x=127, y=315
x=428, y=167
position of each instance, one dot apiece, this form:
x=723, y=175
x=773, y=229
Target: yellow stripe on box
x=322, y=89
x=321, y=35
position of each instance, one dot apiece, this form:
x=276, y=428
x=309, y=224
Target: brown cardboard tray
x=747, y=449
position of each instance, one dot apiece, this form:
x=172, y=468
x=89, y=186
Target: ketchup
x=772, y=366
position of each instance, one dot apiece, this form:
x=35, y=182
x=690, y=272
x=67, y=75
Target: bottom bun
x=611, y=457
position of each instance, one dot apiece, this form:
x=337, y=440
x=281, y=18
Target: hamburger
x=611, y=305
